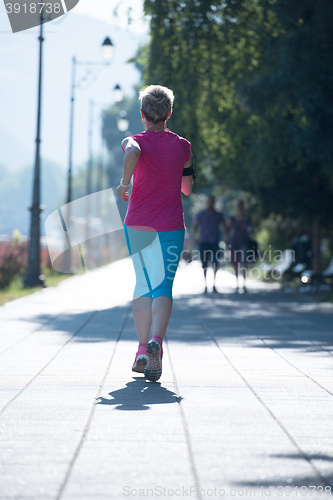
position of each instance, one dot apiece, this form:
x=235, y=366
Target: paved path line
x=92, y=411
x=317, y=343
x=295, y=367
x=47, y=364
x=40, y=327
x=271, y=413
x=185, y=426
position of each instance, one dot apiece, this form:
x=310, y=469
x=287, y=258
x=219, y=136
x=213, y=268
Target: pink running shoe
x=141, y=360
x=153, y=370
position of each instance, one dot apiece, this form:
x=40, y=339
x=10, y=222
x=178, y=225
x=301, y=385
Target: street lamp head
x=107, y=47
x=118, y=94
x=122, y=122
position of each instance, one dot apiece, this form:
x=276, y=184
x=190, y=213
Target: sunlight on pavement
x=113, y=285
x=190, y=280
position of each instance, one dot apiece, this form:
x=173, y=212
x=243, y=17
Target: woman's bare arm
x=132, y=153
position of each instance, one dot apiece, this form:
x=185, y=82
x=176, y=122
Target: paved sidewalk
x=244, y=406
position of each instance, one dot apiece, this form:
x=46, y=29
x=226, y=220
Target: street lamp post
x=33, y=276
x=90, y=147
x=118, y=97
x=122, y=126
x=107, y=48
x=122, y=122
x=118, y=94
x=71, y=128
x=89, y=176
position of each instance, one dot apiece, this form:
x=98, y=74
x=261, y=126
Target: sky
x=79, y=33
x=117, y=12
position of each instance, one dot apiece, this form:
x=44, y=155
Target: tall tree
x=253, y=82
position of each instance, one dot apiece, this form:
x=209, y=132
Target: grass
x=16, y=290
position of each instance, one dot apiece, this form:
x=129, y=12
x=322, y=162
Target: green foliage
x=254, y=94
x=277, y=232
x=113, y=136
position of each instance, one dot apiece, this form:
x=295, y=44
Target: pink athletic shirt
x=155, y=199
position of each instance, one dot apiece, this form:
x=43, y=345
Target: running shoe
x=153, y=370
x=140, y=362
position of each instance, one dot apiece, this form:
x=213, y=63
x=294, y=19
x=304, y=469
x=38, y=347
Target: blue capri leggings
x=155, y=257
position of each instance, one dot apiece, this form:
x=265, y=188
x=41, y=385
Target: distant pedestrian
x=162, y=164
x=209, y=222
x=240, y=229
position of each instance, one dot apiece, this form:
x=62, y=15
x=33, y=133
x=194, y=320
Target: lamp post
x=90, y=147
x=89, y=176
x=32, y=276
x=107, y=48
x=118, y=97
x=122, y=121
x=118, y=94
x=107, y=54
x=113, y=175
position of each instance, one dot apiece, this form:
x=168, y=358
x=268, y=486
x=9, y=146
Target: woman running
x=161, y=163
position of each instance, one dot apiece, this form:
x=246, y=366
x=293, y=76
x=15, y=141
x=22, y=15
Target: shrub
x=13, y=261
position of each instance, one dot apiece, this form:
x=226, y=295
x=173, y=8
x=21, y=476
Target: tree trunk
x=316, y=255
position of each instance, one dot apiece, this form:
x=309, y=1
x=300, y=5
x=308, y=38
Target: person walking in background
x=161, y=163
x=240, y=229
x=209, y=222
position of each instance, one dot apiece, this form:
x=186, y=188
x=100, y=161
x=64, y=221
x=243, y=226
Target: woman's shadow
x=139, y=395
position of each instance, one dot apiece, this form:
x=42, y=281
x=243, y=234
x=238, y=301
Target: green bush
x=13, y=261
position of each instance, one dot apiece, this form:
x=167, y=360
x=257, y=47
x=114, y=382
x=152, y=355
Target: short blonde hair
x=156, y=102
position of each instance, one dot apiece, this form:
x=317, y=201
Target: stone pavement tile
x=14, y=331
x=21, y=363
x=37, y=448
x=136, y=434
x=231, y=451
x=219, y=427
x=299, y=404
x=190, y=280
x=209, y=418
x=305, y=359
x=29, y=308
x=29, y=480
x=255, y=466
x=152, y=488
x=109, y=286
x=324, y=380
x=45, y=424
x=114, y=468
x=28, y=357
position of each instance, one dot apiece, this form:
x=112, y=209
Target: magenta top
x=155, y=200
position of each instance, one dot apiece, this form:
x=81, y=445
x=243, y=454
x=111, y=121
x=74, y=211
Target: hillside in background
x=73, y=35
x=16, y=195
